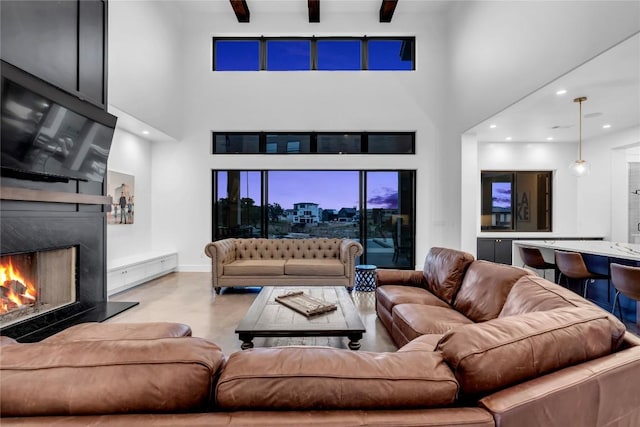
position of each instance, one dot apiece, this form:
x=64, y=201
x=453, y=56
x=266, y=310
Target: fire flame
x=9, y=273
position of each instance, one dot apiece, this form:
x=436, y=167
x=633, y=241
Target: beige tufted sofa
x=282, y=262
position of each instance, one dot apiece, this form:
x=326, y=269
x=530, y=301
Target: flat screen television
x=50, y=134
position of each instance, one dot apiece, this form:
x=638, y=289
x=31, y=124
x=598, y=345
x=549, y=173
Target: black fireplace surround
x=27, y=226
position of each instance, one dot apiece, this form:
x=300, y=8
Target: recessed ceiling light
x=549, y=138
x=606, y=126
x=493, y=126
x=145, y=132
x=508, y=138
x=561, y=92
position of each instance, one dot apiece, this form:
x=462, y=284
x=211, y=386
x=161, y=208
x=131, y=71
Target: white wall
x=593, y=205
x=603, y=195
x=145, y=78
x=304, y=101
x=501, y=51
x=470, y=64
x=131, y=154
x=538, y=156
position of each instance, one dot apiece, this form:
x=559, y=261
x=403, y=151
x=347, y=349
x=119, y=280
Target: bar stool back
x=572, y=266
x=626, y=280
x=531, y=257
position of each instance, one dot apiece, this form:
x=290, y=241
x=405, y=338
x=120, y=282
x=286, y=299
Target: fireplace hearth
x=54, y=257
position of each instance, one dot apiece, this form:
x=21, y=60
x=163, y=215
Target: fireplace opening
x=33, y=283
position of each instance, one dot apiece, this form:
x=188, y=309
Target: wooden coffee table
x=268, y=318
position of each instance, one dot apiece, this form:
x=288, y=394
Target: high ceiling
x=610, y=81
x=328, y=8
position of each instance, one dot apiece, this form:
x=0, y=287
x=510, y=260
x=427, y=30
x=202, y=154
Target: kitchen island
x=598, y=255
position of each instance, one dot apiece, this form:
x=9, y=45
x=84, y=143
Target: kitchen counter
x=627, y=251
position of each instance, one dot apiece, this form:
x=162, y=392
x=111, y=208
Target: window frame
x=313, y=66
x=514, y=202
x=362, y=209
x=313, y=142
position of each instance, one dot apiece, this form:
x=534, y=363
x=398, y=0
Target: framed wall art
x=121, y=189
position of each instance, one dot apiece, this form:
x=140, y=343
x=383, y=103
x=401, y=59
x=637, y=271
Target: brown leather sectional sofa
x=537, y=355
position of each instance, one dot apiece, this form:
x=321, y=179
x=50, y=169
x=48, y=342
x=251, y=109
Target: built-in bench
x=125, y=273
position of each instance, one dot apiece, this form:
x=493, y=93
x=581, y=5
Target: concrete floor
x=188, y=298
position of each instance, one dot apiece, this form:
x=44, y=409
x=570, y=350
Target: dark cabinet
x=62, y=42
x=496, y=250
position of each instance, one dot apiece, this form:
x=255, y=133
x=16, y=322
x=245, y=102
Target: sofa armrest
x=612, y=382
x=109, y=377
x=349, y=250
x=95, y=331
x=221, y=252
x=389, y=276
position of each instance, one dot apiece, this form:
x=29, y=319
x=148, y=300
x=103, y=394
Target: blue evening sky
x=330, y=189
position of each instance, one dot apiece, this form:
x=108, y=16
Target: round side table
x=366, y=278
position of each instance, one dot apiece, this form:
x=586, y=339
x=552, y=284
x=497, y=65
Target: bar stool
x=572, y=266
x=626, y=280
x=531, y=257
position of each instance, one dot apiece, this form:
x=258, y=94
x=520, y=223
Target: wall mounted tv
x=49, y=134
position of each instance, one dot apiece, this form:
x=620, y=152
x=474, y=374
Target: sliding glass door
x=390, y=218
x=376, y=208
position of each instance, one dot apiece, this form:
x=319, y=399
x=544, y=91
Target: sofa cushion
x=392, y=295
x=108, y=377
x=297, y=378
x=444, y=269
x=485, y=288
x=314, y=267
x=498, y=353
x=413, y=320
x=534, y=293
x=255, y=267
x=422, y=343
x=117, y=331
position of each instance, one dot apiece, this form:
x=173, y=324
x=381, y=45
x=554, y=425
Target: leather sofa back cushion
x=108, y=377
x=496, y=354
x=297, y=378
x=485, y=288
x=443, y=270
x=534, y=293
x=287, y=248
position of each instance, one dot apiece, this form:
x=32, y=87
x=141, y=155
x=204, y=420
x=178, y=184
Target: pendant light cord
x=580, y=141
x=579, y=101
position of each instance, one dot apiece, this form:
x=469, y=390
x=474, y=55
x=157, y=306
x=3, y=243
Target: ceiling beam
x=241, y=10
x=314, y=10
x=386, y=10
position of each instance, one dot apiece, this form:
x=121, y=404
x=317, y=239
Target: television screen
x=46, y=131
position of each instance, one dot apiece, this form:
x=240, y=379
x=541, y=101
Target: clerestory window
x=314, y=53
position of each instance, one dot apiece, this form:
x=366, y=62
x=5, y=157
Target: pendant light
x=580, y=167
